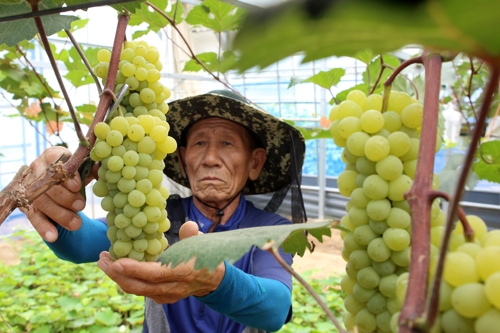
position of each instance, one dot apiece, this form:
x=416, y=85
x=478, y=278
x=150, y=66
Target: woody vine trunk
x=20, y=192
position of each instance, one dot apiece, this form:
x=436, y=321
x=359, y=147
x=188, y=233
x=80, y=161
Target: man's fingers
x=41, y=224
x=65, y=217
x=189, y=229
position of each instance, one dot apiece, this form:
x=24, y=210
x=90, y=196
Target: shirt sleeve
x=82, y=245
x=244, y=297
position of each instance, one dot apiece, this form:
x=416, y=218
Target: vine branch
x=379, y=77
x=390, y=79
x=309, y=289
x=85, y=60
x=191, y=52
x=21, y=194
x=46, y=45
x=419, y=198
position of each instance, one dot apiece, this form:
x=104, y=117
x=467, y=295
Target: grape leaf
x=344, y=28
x=365, y=56
x=216, y=15
x=211, y=61
x=75, y=25
x=327, y=79
x=341, y=96
x=13, y=32
x=314, y=133
x=22, y=83
x=155, y=21
x=212, y=249
x=10, y=2
x=78, y=73
x=374, y=68
x=488, y=166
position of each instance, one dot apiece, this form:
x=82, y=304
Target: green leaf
x=153, y=19
x=341, y=96
x=214, y=64
x=10, y=2
x=69, y=303
x=131, y=7
x=75, y=25
x=294, y=81
x=327, y=79
x=344, y=28
x=370, y=76
x=212, y=249
x=365, y=56
x=107, y=317
x=78, y=74
x=13, y=32
x=216, y=15
x=314, y=133
x=488, y=165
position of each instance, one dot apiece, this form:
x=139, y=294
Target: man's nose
x=212, y=156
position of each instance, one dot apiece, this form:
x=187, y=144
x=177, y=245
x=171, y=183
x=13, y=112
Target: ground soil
x=324, y=261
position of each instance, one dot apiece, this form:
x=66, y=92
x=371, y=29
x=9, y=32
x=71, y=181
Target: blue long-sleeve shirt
x=255, y=291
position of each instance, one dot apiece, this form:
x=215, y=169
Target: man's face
x=218, y=159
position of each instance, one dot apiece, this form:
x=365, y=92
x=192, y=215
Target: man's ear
x=259, y=157
x=180, y=158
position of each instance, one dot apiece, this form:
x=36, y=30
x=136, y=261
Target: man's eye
x=226, y=143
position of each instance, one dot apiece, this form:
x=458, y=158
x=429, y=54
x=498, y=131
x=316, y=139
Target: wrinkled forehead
x=208, y=125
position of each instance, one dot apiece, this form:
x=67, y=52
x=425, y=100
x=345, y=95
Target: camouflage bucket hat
x=276, y=136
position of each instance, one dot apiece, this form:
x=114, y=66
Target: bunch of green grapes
x=131, y=148
x=380, y=152
x=470, y=291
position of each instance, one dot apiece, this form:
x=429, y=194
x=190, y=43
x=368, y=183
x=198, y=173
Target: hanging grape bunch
x=131, y=146
x=380, y=151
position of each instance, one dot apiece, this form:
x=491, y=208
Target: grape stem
x=379, y=77
x=468, y=231
x=46, y=45
x=21, y=194
x=419, y=198
x=309, y=289
x=392, y=77
x=85, y=60
x=490, y=90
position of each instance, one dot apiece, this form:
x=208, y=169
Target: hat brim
x=275, y=134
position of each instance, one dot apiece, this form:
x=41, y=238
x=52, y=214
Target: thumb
x=189, y=229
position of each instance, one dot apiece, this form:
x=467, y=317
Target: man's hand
x=162, y=283
x=58, y=204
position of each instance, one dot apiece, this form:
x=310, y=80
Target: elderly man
x=227, y=149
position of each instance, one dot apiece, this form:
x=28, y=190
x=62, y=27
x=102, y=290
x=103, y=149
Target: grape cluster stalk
x=380, y=151
x=130, y=147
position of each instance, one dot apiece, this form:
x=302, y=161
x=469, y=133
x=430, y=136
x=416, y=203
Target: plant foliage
x=44, y=294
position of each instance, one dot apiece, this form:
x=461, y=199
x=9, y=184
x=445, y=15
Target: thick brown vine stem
x=9, y=200
x=309, y=289
x=22, y=194
x=46, y=45
x=106, y=96
x=420, y=202
x=491, y=89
